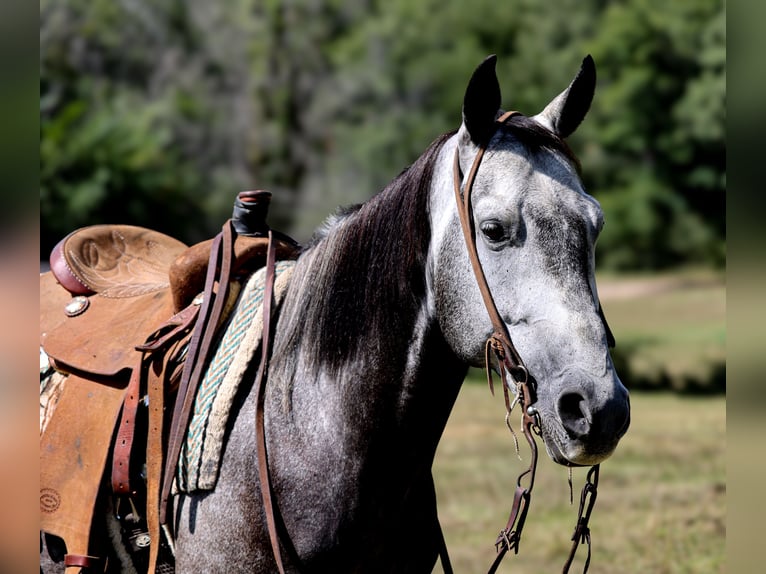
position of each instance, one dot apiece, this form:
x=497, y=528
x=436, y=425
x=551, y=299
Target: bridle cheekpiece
x=510, y=364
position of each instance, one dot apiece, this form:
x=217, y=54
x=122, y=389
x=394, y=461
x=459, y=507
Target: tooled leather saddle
x=131, y=314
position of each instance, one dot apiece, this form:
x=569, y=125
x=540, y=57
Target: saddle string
x=510, y=364
x=201, y=319
x=163, y=338
x=159, y=368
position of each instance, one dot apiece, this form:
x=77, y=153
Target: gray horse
x=379, y=325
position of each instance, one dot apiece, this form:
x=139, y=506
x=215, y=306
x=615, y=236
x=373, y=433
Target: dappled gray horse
x=380, y=323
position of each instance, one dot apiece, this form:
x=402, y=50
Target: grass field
x=670, y=329
x=661, y=504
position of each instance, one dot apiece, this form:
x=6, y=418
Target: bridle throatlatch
x=511, y=368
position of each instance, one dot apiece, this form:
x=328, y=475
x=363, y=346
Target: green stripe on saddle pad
x=201, y=452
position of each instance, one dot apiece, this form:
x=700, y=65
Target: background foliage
x=157, y=112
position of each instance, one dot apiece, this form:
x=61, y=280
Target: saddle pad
x=51, y=387
x=201, y=452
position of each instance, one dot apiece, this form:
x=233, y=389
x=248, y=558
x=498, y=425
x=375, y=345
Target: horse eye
x=492, y=230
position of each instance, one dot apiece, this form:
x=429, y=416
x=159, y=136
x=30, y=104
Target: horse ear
x=567, y=110
x=482, y=101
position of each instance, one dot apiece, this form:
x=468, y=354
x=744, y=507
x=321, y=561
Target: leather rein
x=510, y=364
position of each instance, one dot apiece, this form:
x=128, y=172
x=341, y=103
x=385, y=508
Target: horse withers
x=379, y=324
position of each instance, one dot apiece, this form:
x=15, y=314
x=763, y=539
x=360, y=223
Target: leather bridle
x=510, y=364
x=499, y=342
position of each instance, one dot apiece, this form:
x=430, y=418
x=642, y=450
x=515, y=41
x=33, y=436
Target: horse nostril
x=574, y=414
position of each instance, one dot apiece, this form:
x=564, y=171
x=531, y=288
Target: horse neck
x=391, y=396
x=363, y=345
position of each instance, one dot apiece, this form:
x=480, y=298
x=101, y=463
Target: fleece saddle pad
x=201, y=452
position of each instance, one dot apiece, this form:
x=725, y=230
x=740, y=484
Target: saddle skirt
x=200, y=458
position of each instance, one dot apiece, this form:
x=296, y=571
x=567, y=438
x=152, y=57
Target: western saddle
x=131, y=316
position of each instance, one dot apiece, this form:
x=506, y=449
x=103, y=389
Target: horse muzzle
x=581, y=428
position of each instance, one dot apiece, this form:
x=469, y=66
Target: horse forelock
x=534, y=136
x=361, y=281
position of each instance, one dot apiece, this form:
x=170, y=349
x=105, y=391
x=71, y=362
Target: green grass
x=670, y=329
x=661, y=503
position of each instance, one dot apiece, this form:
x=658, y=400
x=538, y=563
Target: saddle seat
x=116, y=261
x=110, y=286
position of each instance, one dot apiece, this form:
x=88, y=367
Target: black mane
x=367, y=272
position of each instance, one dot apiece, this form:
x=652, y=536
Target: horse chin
x=573, y=454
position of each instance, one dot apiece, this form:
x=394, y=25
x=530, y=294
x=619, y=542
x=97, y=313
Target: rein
x=511, y=364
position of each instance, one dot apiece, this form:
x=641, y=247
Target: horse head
x=535, y=235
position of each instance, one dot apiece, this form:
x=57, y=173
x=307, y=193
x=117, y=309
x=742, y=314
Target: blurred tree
x=138, y=112
x=157, y=112
x=289, y=65
x=397, y=81
x=657, y=152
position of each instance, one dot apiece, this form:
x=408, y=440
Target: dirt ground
x=631, y=287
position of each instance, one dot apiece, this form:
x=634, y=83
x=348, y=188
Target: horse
x=380, y=323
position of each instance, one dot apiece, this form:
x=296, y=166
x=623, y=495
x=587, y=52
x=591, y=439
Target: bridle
x=510, y=364
x=499, y=343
